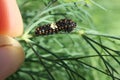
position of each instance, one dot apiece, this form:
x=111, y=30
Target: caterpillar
x=66, y=25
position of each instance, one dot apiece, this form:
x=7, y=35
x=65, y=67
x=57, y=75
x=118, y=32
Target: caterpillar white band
x=53, y=26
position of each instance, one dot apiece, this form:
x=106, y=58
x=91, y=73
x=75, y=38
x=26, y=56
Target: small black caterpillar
x=65, y=25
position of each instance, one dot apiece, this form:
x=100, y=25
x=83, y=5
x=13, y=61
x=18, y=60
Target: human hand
x=11, y=25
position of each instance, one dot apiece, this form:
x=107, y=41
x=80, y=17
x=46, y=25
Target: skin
x=10, y=18
x=11, y=56
x=11, y=25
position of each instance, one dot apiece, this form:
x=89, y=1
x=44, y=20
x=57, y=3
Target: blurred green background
x=107, y=21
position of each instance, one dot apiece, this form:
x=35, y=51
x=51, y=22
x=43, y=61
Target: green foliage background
x=71, y=56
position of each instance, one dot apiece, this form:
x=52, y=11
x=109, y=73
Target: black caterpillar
x=65, y=25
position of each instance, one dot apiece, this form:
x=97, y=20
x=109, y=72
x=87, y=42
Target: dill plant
x=83, y=54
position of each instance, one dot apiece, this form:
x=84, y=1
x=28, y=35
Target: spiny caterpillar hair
x=65, y=25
